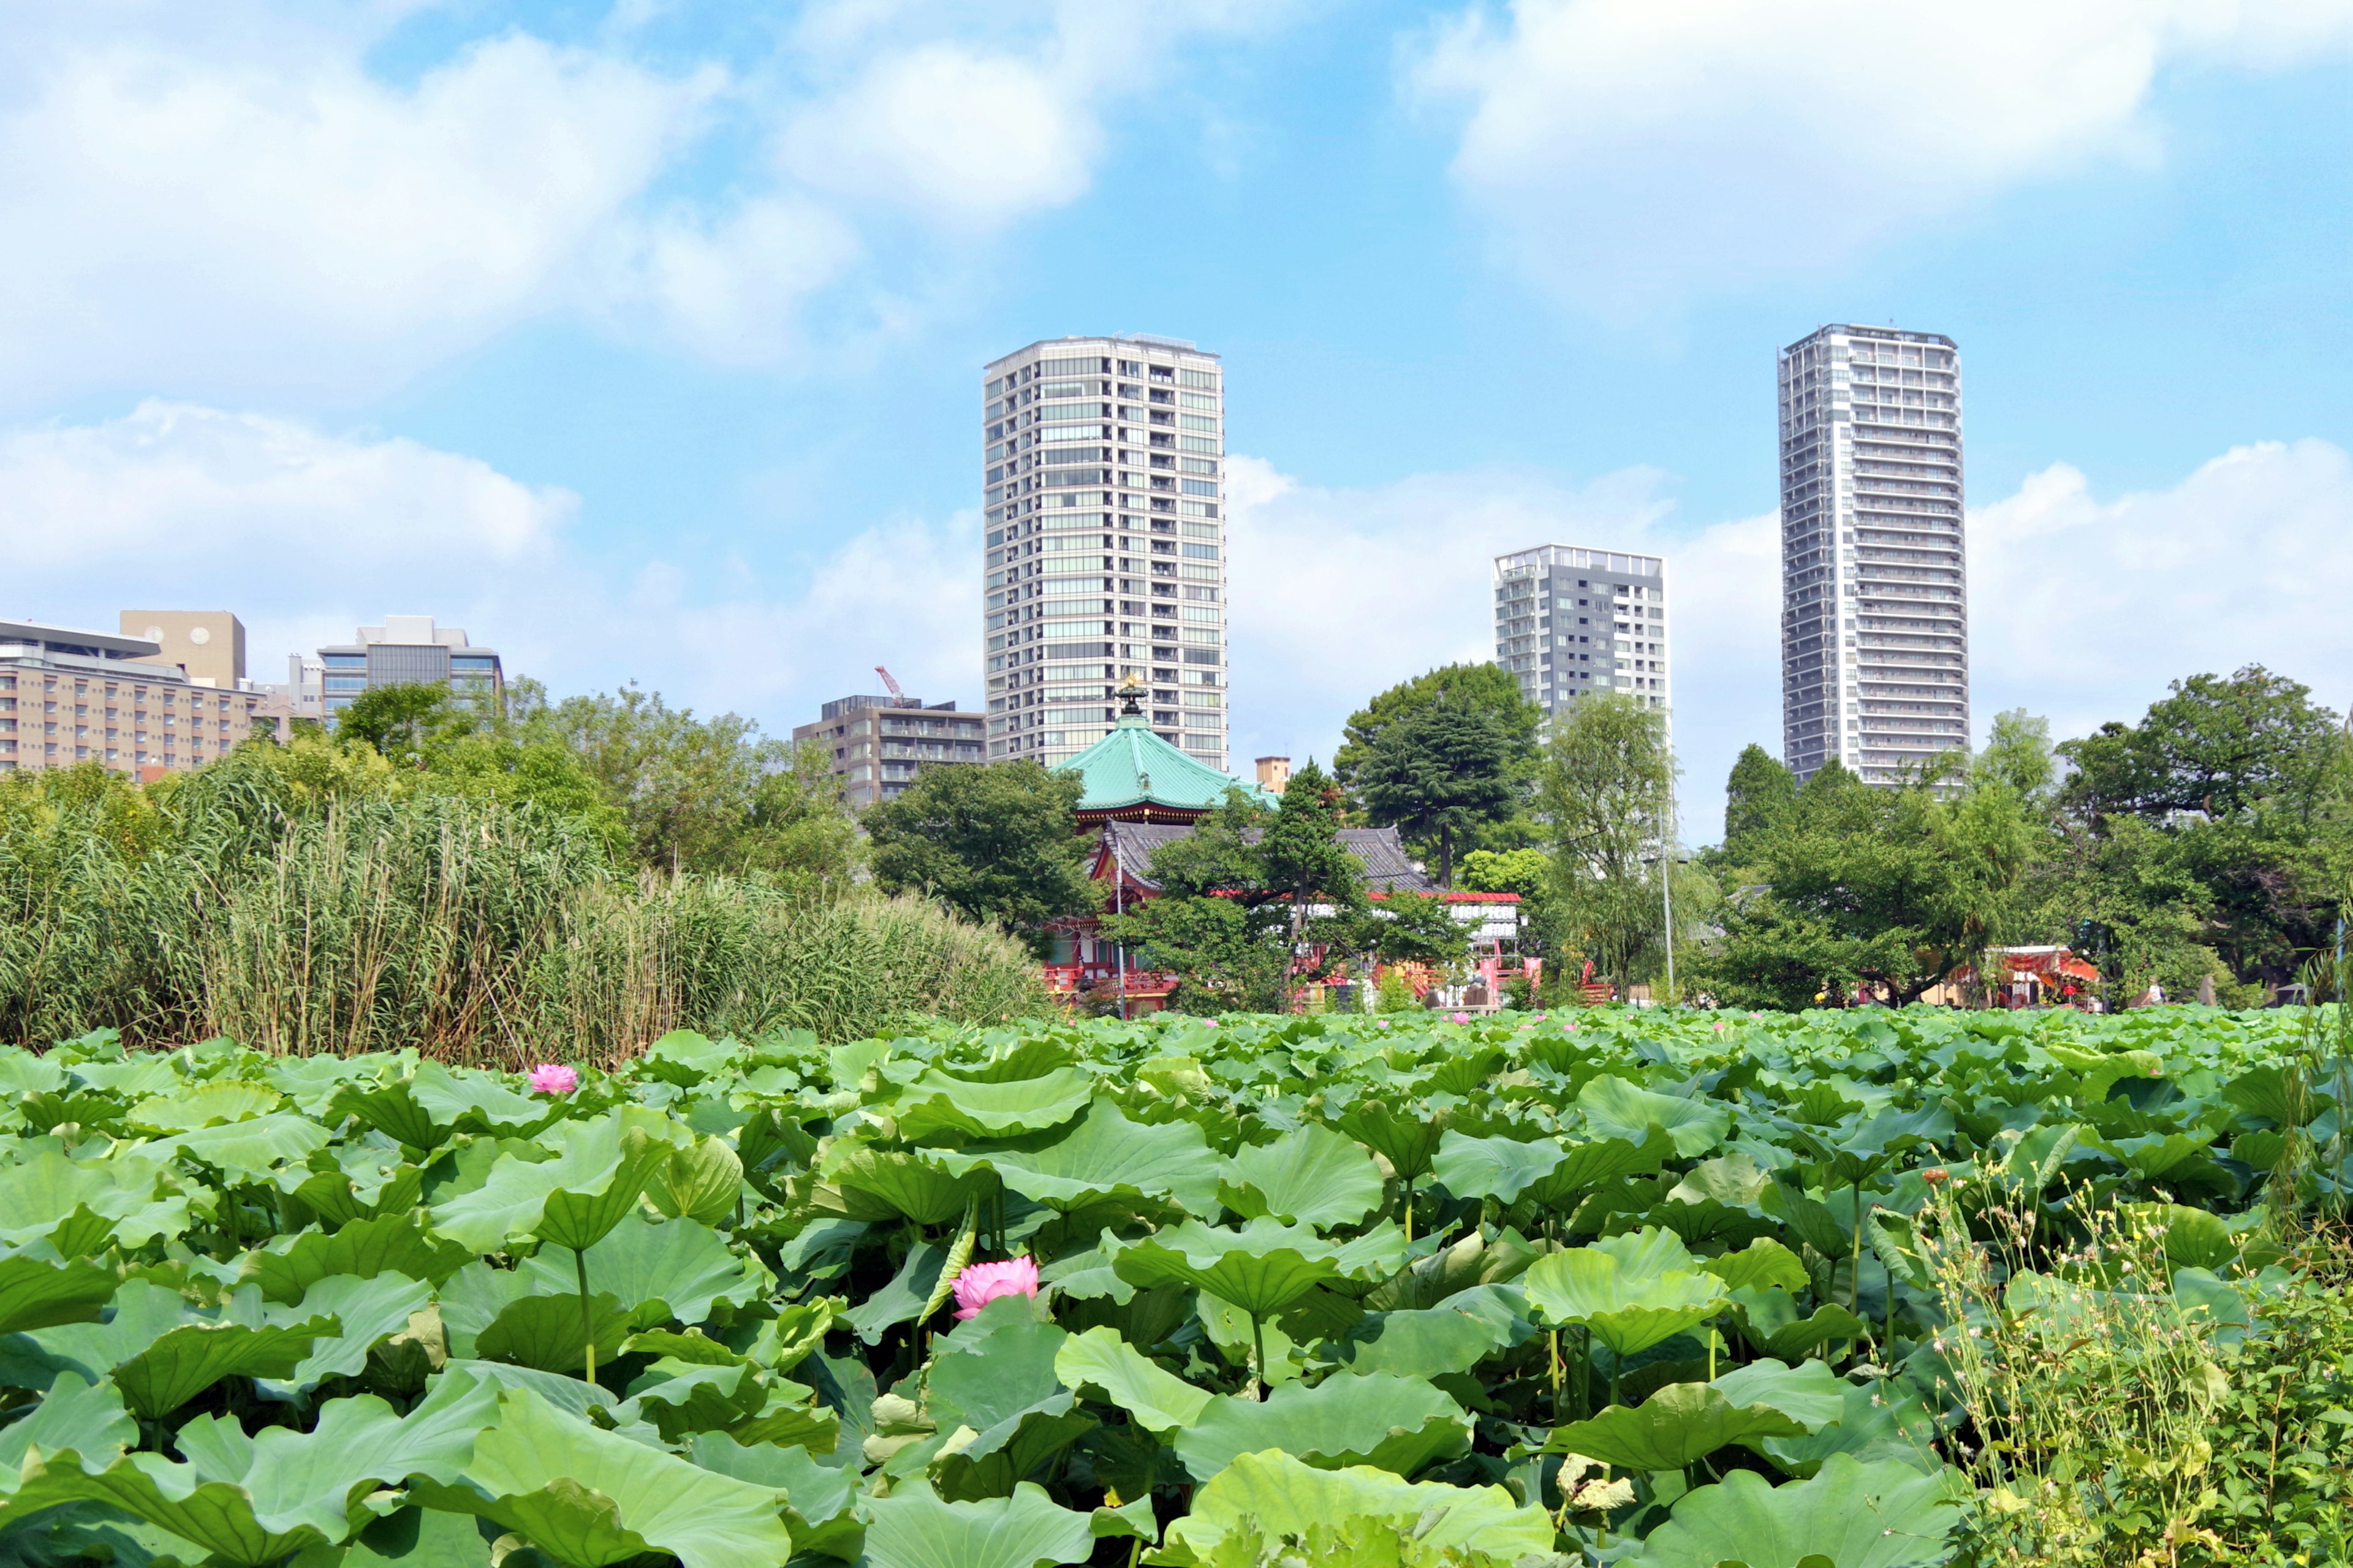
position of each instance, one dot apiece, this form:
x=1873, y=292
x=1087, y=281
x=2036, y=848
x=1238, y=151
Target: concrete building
x=1874, y=595
x=1570, y=621
x=1274, y=774
x=410, y=650
x=1104, y=520
x=209, y=645
x=70, y=696
x=877, y=744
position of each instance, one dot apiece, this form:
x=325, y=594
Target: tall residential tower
x=1570, y=621
x=1874, y=598
x=1103, y=533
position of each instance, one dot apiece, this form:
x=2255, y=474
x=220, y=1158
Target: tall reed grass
x=466, y=929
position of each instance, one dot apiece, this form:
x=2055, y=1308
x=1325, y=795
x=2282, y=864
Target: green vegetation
x=995, y=842
x=1855, y=1289
x=580, y=879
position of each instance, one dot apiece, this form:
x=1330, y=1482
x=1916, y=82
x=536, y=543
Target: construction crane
x=891, y=686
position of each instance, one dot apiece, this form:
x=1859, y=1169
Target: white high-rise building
x=1103, y=536
x=1570, y=621
x=1874, y=593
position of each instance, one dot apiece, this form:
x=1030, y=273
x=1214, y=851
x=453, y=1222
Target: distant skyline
x=550, y=320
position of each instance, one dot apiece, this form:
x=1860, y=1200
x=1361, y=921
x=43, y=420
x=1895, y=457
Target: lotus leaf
x=1314, y=1176
x=572, y=1200
x=40, y=1292
x=204, y=1105
x=1679, y=1424
x=1262, y=1268
x=1500, y=1168
x=1154, y=1399
x=1632, y=1292
x=587, y=1497
x=250, y=1148
x=912, y=1527
x=369, y=1312
x=1762, y=1264
x=679, y=1269
x=161, y=1352
x=1616, y=1108
x=40, y=1193
x=390, y=1244
x=1849, y=1515
x=1875, y=1424
x=1378, y=1418
x=1101, y=1155
x=1279, y=1495
x=936, y=1103
x=1455, y=1336
x=703, y=1181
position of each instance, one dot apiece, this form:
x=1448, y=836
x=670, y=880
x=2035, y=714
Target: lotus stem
x=588, y=1313
x=1258, y=1359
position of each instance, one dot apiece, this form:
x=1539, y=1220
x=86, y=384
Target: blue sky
x=643, y=339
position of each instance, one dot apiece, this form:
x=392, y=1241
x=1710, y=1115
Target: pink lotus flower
x=981, y=1283
x=1462, y=1017
x=549, y=1077
x=1541, y=1017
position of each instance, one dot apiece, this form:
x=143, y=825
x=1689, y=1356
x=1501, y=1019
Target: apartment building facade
x=408, y=650
x=1104, y=545
x=1570, y=621
x=876, y=745
x=71, y=696
x=1875, y=611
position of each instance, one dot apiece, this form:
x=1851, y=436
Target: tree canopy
x=1442, y=765
x=997, y=842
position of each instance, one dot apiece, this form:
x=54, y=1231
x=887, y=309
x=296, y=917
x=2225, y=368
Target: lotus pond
x=1603, y=1287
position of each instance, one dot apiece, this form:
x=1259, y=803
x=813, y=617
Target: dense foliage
x=1664, y=1288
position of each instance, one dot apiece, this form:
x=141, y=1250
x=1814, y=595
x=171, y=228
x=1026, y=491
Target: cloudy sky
x=643, y=339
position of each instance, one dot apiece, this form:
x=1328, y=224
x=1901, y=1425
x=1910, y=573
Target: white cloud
x=306, y=533
x=1629, y=151
x=2082, y=609
x=266, y=220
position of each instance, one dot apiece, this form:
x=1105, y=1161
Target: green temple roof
x=1133, y=771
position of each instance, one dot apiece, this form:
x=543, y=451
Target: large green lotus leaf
x=195, y=1105
x=258, y=1500
x=75, y=1414
x=1851, y=1515
x=820, y=1495
x=410, y=1537
x=2193, y=1238
x=1763, y=1264
x=1409, y=1142
x=39, y=1292
x=1476, y=1259
x=1265, y=1267
x=312, y=1082
x=369, y=1310
x=1229, y=1329
x=162, y=1352
x=1501, y=1168
x=496, y=1315
x=678, y=1270
x=686, y=1058
x=703, y=1181
x=902, y=1299
x=912, y=1527
x=1391, y=1423
x=250, y=1148
x=140, y=1074
x=1633, y=1292
x=389, y=1244
x=1806, y=1392
x=1679, y=1424
x=1769, y=1317
x=997, y=1364
x=479, y=1102
x=1276, y=1495
x=1588, y=1164
x=684, y=1397
x=1875, y=1424
x=1102, y=1155
x=1616, y=1108
x=23, y=1073
x=1455, y=1336
x=896, y=1184
x=1311, y=1177
x=349, y=1182
x=1154, y=1398
x=601, y=1168
x=471, y=1299
x=938, y=1103
x=40, y=1194
x=588, y=1498
x=393, y=1108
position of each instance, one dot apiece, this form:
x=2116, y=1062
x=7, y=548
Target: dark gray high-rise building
x=1874, y=591
x=1570, y=621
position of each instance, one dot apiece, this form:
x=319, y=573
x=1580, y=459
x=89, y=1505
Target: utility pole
x=1667, y=881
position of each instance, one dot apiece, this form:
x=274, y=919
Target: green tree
x=1607, y=790
x=398, y=720
x=1533, y=876
x=1760, y=794
x=1485, y=686
x=2018, y=752
x=1439, y=770
x=1254, y=901
x=997, y=842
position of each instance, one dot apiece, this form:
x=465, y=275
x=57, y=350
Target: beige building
x=70, y=696
x=1103, y=491
x=208, y=644
x=877, y=744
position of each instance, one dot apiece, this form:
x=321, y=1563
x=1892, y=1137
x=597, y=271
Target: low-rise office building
x=410, y=650
x=71, y=696
x=875, y=745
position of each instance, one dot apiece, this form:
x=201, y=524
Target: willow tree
x=1606, y=790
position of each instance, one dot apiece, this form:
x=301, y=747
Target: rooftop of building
x=408, y=631
x=30, y=636
x=1882, y=334
x=842, y=707
x=1521, y=562
x=1147, y=341
x=1134, y=772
